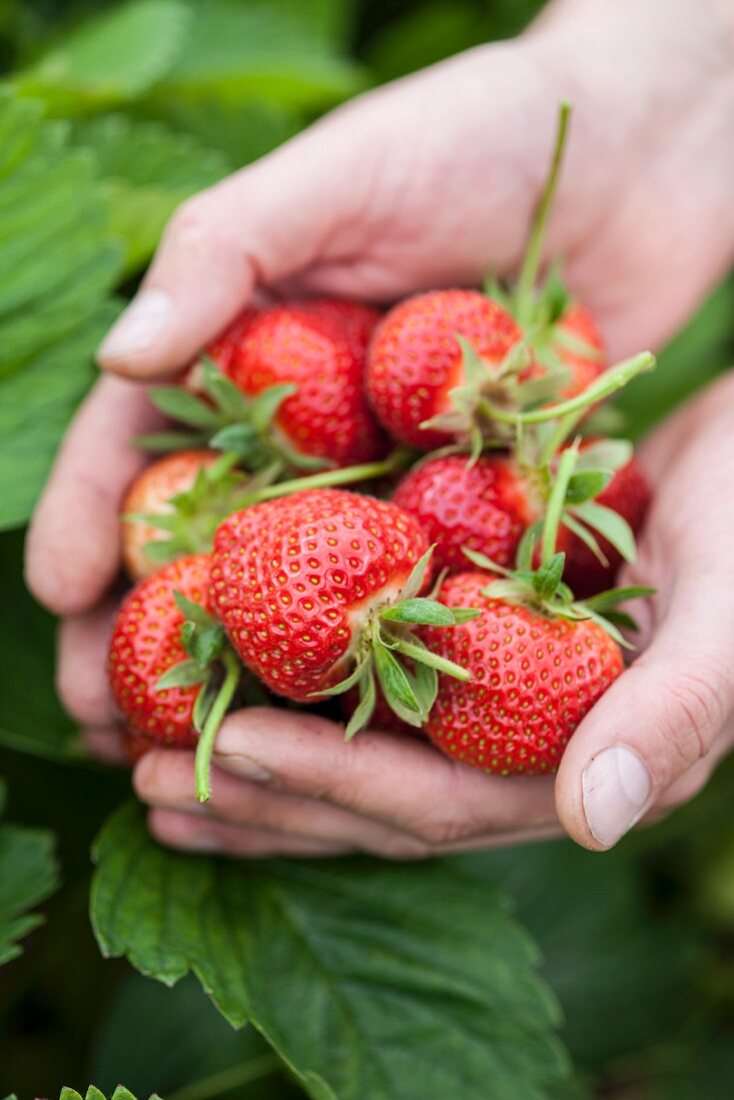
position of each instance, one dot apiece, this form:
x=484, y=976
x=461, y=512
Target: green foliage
x=147, y=170
x=56, y=267
x=418, y=970
x=92, y=1093
x=28, y=874
x=31, y=718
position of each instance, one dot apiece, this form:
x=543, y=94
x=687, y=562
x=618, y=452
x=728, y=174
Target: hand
x=374, y=202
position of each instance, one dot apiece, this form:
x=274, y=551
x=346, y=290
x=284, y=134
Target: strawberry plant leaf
x=420, y=610
x=605, y=454
x=587, y=484
x=57, y=265
x=112, y=57
x=147, y=170
x=28, y=875
x=365, y=708
x=605, y=521
x=179, y=404
x=395, y=684
x=31, y=718
x=92, y=1093
x=352, y=970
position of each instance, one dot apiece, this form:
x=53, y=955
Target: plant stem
x=613, y=379
x=531, y=263
x=398, y=460
x=227, y=1079
x=556, y=503
x=205, y=746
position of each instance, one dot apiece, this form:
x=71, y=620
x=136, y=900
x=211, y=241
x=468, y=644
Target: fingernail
x=615, y=786
x=246, y=767
x=138, y=327
x=204, y=842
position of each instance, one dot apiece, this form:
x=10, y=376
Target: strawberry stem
x=531, y=263
x=398, y=460
x=556, y=502
x=205, y=746
x=605, y=385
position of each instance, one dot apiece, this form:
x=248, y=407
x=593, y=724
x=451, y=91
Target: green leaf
x=193, y=612
x=179, y=404
x=352, y=970
x=184, y=674
x=582, y=532
x=395, y=684
x=419, y=652
x=605, y=454
x=418, y=609
x=257, y=51
x=56, y=268
x=548, y=577
x=365, y=708
x=604, y=600
x=611, y=525
x=163, y=442
x=28, y=875
x=148, y=170
x=587, y=484
x=31, y=718
x=418, y=576
x=265, y=406
x=111, y=58
x=92, y=1093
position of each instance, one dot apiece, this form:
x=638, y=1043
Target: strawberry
x=580, y=348
x=152, y=494
x=146, y=643
x=309, y=348
x=357, y=321
x=484, y=506
x=225, y=347
x=536, y=674
x=135, y=745
x=415, y=359
x=320, y=590
x=627, y=495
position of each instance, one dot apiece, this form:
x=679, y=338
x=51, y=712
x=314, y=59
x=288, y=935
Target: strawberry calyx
x=211, y=663
x=544, y=591
x=227, y=419
x=388, y=652
x=192, y=516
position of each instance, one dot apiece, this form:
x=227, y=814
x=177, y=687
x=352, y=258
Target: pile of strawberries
x=441, y=592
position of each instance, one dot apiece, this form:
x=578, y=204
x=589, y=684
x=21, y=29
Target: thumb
x=658, y=720
x=258, y=226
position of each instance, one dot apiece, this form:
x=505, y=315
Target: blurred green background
x=138, y=106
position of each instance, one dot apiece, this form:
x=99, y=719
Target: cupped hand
x=422, y=183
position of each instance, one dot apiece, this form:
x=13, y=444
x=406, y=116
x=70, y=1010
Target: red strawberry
x=146, y=643
x=485, y=506
x=356, y=320
x=224, y=349
x=135, y=745
x=415, y=358
x=577, y=329
x=328, y=416
x=534, y=679
x=628, y=494
x=316, y=588
x=151, y=494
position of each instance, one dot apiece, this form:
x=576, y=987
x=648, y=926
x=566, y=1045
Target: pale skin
x=422, y=184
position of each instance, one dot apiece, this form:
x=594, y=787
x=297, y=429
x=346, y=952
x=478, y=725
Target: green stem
x=613, y=379
x=426, y=657
x=531, y=263
x=228, y=1079
x=556, y=503
x=398, y=460
x=204, y=748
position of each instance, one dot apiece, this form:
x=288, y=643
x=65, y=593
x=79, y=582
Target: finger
x=81, y=672
x=105, y=745
x=399, y=781
x=166, y=780
x=657, y=721
x=72, y=550
x=256, y=227
x=197, y=834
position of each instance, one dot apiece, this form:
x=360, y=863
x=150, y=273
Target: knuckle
x=193, y=222
x=441, y=828
x=696, y=709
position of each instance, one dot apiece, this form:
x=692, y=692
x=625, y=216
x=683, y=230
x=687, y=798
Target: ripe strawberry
x=225, y=347
x=628, y=494
x=485, y=506
x=357, y=321
x=580, y=348
x=135, y=745
x=415, y=359
x=327, y=416
x=146, y=643
x=152, y=494
x=534, y=678
x=318, y=588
